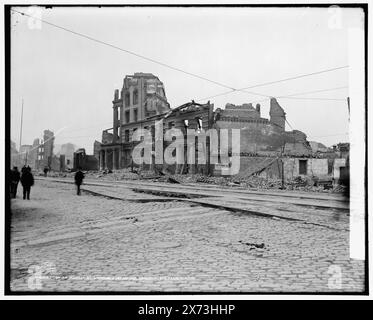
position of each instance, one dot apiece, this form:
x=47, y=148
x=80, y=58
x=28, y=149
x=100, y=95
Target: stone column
x=101, y=160
x=115, y=159
x=120, y=157
x=115, y=123
x=106, y=159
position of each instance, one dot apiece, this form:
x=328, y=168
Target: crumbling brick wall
x=107, y=137
x=244, y=111
x=338, y=164
x=84, y=161
x=315, y=167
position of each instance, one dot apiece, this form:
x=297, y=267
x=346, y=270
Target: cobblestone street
x=151, y=243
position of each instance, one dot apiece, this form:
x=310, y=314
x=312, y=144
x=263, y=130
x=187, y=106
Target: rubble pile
x=253, y=182
x=234, y=181
x=112, y=175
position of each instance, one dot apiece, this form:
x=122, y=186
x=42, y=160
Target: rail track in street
x=324, y=210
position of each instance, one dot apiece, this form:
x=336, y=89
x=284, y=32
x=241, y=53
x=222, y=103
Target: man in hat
x=15, y=176
x=27, y=180
x=79, y=176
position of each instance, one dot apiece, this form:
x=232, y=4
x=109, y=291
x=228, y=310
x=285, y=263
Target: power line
x=285, y=96
x=180, y=70
x=292, y=96
x=289, y=124
x=295, y=77
x=231, y=91
x=201, y=77
x=91, y=127
x=217, y=95
x=331, y=135
x=174, y=68
x=314, y=91
x=74, y=137
x=125, y=50
x=322, y=99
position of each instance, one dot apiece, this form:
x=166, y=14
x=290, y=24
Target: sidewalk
x=168, y=247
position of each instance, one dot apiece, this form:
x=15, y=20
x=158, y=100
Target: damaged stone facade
x=41, y=152
x=142, y=96
x=142, y=102
x=261, y=136
x=84, y=161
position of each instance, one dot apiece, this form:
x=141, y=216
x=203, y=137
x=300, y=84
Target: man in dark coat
x=79, y=176
x=27, y=180
x=14, y=179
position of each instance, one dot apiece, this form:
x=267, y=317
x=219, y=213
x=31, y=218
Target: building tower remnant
x=142, y=96
x=277, y=114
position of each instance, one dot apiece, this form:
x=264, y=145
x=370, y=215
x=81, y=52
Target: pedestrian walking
x=15, y=176
x=27, y=180
x=79, y=176
x=46, y=171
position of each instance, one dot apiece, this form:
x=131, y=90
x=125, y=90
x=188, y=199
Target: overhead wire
x=178, y=69
x=244, y=89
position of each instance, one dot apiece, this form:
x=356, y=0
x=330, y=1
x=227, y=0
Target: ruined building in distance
x=142, y=101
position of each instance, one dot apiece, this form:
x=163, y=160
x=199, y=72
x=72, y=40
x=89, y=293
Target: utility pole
x=282, y=167
x=282, y=175
x=132, y=153
x=20, y=134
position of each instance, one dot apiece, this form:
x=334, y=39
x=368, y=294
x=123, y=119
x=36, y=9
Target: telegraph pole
x=132, y=154
x=20, y=134
x=282, y=167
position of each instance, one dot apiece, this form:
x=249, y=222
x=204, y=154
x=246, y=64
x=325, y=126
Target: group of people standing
x=27, y=181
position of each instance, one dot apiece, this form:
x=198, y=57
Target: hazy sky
x=68, y=82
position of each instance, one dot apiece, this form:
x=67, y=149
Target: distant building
x=97, y=149
x=44, y=150
x=84, y=161
x=67, y=150
x=24, y=153
x=33, y=154
x=14, y=156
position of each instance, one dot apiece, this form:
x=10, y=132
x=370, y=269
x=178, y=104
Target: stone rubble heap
x=252, y=182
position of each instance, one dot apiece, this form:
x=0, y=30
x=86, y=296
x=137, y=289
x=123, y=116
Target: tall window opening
x=303, y=167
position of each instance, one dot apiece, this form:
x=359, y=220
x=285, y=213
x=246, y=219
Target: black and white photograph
x=191, y=149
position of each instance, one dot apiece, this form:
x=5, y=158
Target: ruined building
x=141, y=97
x=261, y=136
x=141, y=104
x=84, y=161
x=44, y=150
x=40, y=154
x=14, y=155
x=67, y=150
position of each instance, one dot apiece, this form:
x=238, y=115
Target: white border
x=166, y=297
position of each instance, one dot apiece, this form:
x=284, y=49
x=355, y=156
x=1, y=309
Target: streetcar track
x=200, y=202
x=238, y=211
